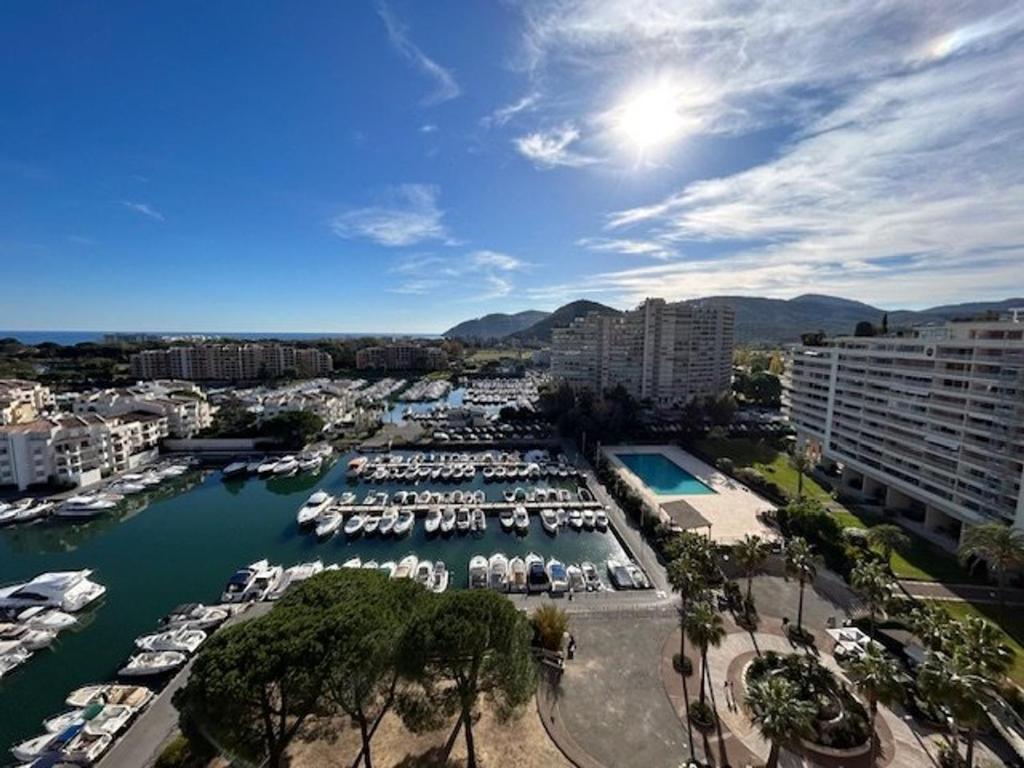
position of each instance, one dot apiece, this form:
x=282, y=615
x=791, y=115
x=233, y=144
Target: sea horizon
x=70, y=338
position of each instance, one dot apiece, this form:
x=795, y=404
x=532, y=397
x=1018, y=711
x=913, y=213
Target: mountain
x=494, y=326
x=564, y=315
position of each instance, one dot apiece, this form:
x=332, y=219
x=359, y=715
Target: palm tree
x=1001, y=546
x=932, y=623
x=704, y=627
x=802, y=463
x=750, y=553
x=874, y=585
x=800, y=563
x=779, y=713
x=689, y=582
x=888, y=538
x=879, y=678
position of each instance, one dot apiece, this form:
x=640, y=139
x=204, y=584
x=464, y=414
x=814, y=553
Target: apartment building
x=183, y=404
x=230, y=362
x=23, y=401
x=929, y=421
x=402, y=357
x=77, y=449
x=665, y=354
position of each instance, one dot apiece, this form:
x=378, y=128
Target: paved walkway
x=972, y=593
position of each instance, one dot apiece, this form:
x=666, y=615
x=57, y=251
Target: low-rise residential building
x=332, y=401
x=402, y=357
x=928, y=421
x=23, y=401
x=183, y=404
x=230, y=362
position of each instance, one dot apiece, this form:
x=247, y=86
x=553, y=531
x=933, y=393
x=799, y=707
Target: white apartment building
x=23, y=401
x=663, y=353
x=182, y=403
x=230, y=362
x=929, y=421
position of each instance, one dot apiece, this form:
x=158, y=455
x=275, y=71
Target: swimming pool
x=663, y=476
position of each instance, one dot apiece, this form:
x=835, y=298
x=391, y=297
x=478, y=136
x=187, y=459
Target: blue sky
x=348, y=166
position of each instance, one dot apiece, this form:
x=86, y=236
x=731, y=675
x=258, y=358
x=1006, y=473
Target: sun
x=648, y=118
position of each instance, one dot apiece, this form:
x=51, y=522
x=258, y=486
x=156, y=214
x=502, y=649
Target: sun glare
x=648, y=118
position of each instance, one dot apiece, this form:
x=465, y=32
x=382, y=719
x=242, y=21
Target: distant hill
x=494, y=326
x=776, y=321
x=541, y=331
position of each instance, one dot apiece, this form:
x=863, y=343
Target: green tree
x=1000, y=546
x=800, y=562
x=887, y=538
x=875, y=587
x=705, y=630
x=802, y=463
x=464, y=645
x=551, y=623
x=293, y=429
x=687, y=579
x=880, y=680
x=779, y=713
x=254, y=685
x=751, y=553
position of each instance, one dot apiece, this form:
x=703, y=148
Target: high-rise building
x=929, y=422
x=230, y=362
x=664, y=354
x=402, y=357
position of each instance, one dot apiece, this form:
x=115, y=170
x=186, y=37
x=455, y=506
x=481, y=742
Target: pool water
x=662, y=475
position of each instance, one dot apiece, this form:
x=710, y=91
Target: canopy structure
x=683, y=514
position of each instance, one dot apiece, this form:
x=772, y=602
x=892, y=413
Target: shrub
x=682, y=665
x=550, y=623
x=702, y=715
x=726, y=465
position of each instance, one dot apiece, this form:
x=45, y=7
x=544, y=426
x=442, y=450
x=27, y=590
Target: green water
x=182, y=543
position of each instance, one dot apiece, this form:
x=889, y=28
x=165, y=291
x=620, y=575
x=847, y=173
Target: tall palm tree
x=887, y=538
x=802, y=463
x=932, y=623
x=1001, y=546
x=879, y=678
x=874, y=585
x=705, y=630
x=687, y=580
x=750, y=553
x=800, y=562
x=779, y=713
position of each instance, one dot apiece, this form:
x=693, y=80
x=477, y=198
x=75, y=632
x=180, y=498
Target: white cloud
x=474, y=276
x=628, y=247
x=445, y=85
x=428, y=128
x=551, y=149
x=504, y=114
x=145, y=209
x=495, y=260
x=412, y=216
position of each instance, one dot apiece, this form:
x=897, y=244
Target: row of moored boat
x=310, y=460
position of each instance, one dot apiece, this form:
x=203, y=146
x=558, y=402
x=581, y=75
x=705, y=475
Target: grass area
x=921, y=560
x=1009, y=620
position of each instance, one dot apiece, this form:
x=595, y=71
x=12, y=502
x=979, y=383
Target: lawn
x=1010, y=621
x=921, y=560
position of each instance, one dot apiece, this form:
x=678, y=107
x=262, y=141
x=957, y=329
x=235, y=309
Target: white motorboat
x=575, y=576
x=111, y=719
x=347, y=499
x=448, y=520
x=87, y=747
x=241, y=582
x=9, y=513
x=557, y=576
x=266, y=579
x=253, y=467
x=517, y=575
x=507, y=519
x=522, y=518
x=353, y=562
x=371, y=565
x=576, y=519
x=370, y=524
x=564, y=495
x=354, y=525
x=267, y=467
x=404, y=523
x=478, y=572
x=388, y=568
x=639, y=578
x=73, y=717
x=406, y=567
x=479, y=520
x=70, y=591
x=601, y=520
x=591, y=577
x=536, y=575
x=310, y=464
x=184, y=640
x=35, y=639
x=84, y=507
x=40, y=617
x=432, y=523
x=424, y=574
x=28, y=751
x=463, y=520
x=289, y=465
x=328, y=524
x=439, y=578
x=194, y=616
x=619, y=576
x=314, y=505
x=134, y=696
x=497, y=569
x=356, y=466
x=152, y=663
x=549, y=519
x=235, y=469
x=589, y=519
x=387, y=522
x=509, y=495
x=296, y=574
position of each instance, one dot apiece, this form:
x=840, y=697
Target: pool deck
x=733, y=510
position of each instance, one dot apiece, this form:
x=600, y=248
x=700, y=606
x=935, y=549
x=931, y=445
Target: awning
x=684, y=515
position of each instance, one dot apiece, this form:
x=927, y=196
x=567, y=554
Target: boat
x=241, y=582
x=389, y=568
x=134, y=696
x=405, y=522
x=371, y=565
x=432, y=523
x=352, y=562
x=347, y=499
x=557, y=575
x=601, y=520
x=40, y=617
x=184, y=640
x=463, y=520
x=517, y=575
x=522, y=518
x=536, y=576
x=152, y=663
x=509, y=495
x=479, y=520
x=488, y=473
x=424, y=574
x=640, y=580
x=356, y=466
x=387, y=522
x=35, y=639
x=266, y=467
x=370, y=500
x=38, y=746
x=549, y=519
x=289, y=465
x=87, y=747
x=370, y=524
x=576, y=519
x=406, y=567
x=439, y=578
x=584, y=494
x=507, y=519
x=457, y=497
x=619, y=576
x=313, y=506
x=589, y=519
x=575, y=576
x=478, y=572
x=73, y=717
x=9, y=512
x=84, y=507
x=111, y=719
x=354, y=525
x=266, y=579
x=12, y=655
x=253, y=467
x=310, y=464
x=590, y=576
x=194, y=616
x=235, y=469
x=296, y=574
x=497, y=569
x=70, y=591
x=447, y=520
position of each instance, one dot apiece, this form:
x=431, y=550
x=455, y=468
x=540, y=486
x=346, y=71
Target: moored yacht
x=135, y=696
x=575, y=576
x=424, y=574
x=536, y=576
x=328, y=524
x=507, y=518
x=289, y=465
x=557, y=576
x=522, y=518
x=590, y=576
x=498, y=572
x=69, y=591
x=549, y=519
x=151, y=663
x=235, y=469
x=241, y=582
x=478, y=572
x=314, y=505
x=619, y=576
x=439, y=578
x=406, y=567
x=183, y=640
x=194, y=616
x=517, y=575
